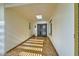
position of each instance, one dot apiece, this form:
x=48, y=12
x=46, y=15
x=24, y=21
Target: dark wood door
x=42, y=30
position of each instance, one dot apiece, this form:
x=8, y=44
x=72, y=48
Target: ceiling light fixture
x=39, y=16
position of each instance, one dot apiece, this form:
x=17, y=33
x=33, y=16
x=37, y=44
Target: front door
x=42, y=30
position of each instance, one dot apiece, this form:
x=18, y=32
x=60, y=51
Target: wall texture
x=17, y=29
x=2, y=31
x=63, y=30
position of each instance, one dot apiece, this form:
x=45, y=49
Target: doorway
x=42, y=30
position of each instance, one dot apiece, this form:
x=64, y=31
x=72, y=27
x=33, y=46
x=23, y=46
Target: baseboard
x=53, y=46
x=18, y=44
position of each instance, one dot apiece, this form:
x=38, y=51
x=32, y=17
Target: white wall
x=17, y=29
x=2, y=32
x=63, y=30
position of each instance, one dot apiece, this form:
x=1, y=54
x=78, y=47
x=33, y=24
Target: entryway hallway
x=53, y=22
x=35, y=46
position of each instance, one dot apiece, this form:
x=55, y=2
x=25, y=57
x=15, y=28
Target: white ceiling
x=29, y=11
x=7, y=5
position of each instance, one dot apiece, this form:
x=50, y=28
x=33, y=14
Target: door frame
x=46, y=30
x=76, y=49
